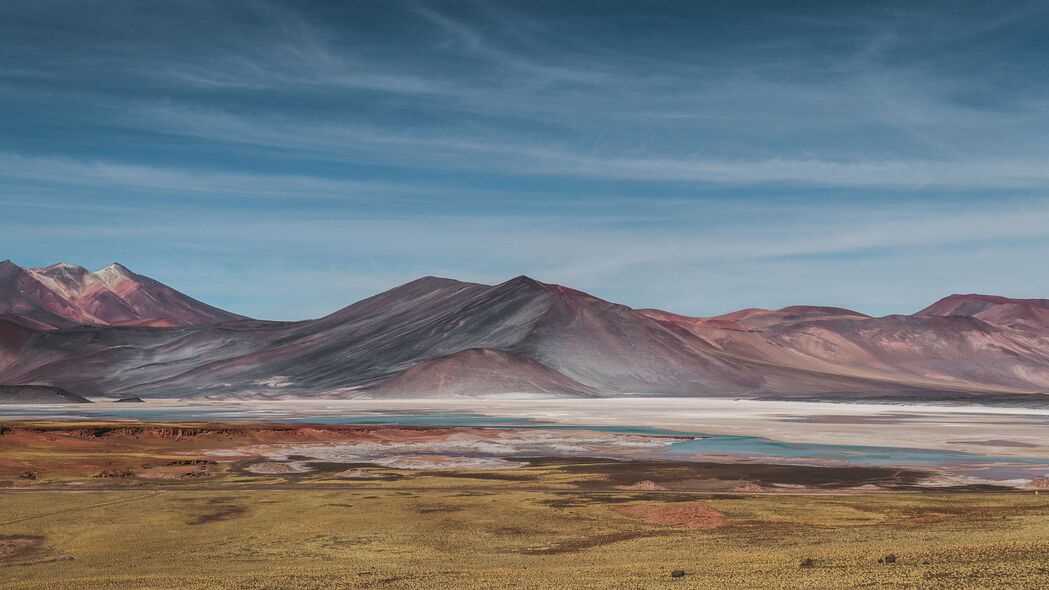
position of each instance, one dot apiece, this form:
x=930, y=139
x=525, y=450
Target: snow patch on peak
x=116, y=269
x=114, y=275
x=64, y=268
x=63, y=278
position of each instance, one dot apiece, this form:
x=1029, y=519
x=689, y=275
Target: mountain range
x=116, y=333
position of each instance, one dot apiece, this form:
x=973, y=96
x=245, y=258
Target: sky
x=285, y=159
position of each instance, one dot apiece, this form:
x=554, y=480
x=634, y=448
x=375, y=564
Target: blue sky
x=283, y=160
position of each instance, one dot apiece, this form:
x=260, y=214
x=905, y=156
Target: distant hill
x=1025, y=314
x=38, y=394
x=437, y=337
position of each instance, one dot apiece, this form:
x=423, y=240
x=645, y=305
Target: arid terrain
x=138, y=505
x=90, y=456
x=445, y=434
x=115, y=333
x=464, y=294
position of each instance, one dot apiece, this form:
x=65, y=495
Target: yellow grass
x=301, y=538
x=550, y=524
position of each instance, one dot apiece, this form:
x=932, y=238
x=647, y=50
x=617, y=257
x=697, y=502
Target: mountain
x=952, y=352
x=492, y=372
x=65, y=295
x=442, y=337
x=1020, y=314
x=552, y=337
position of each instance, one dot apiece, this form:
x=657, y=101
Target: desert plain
x=529, y=494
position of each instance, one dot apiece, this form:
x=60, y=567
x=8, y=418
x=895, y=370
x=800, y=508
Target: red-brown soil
x=41, y=454
x=691, y=515
x=80, y=450
x=14, y=546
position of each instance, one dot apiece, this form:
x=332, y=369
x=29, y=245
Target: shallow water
x=704, y=447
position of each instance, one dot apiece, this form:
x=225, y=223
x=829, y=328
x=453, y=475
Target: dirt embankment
x=246, y=433
x=45, y=450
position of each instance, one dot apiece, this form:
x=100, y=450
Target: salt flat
x=996, y=430
x=973, y=429
x=1005, y=431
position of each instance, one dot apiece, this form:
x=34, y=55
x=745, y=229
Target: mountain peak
x=63, y=269
x=993, y=309
x=970, y=304
x=433, y=281
x=426, y=284
x=117, y=267
x=65, y=295
x=115, y=271
x=527, y=282
x=975, y=297
x=821, y=310
x=59, y=265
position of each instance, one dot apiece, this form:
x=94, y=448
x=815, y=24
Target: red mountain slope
x=439, y=337
x=65, y=295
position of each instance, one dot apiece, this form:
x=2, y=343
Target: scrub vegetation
x=307, y=538
x=90, y=508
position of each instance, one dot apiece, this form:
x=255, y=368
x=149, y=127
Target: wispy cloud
x=720, y=255
x=692, y=156
x=429, y=148
x=102, y=174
